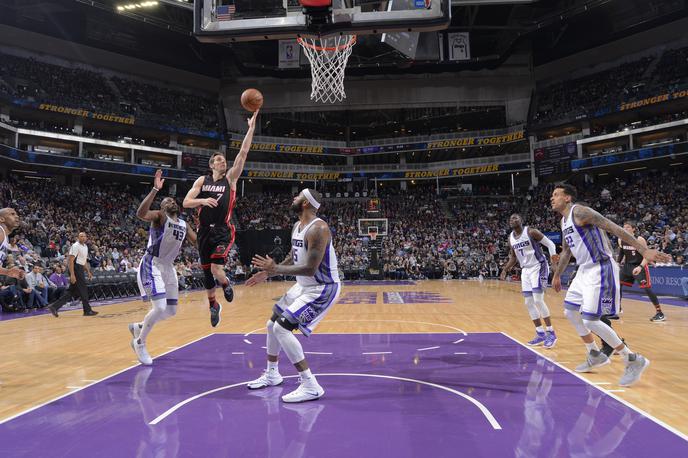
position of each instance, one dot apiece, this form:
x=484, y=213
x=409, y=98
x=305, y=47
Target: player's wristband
x=156, y=189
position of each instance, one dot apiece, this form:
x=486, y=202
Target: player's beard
x=296, y=208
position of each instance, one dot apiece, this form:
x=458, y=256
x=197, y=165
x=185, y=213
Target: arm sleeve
x=549, y=244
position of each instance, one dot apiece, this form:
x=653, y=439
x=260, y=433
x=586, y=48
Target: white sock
x=550, y=328
x=307, y=376
x=625, y=352
x=540, y=329
x=272, y=366
x=592, y=346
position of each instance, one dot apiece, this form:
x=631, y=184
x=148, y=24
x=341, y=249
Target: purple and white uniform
x=157, y=277
x=306, y=303
x=4, y=247
x=595, y=290
x=534, y=268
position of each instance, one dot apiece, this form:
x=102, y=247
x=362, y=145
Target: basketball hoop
x=373, y=235
x=328, y=57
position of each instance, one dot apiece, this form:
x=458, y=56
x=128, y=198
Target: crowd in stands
x=603, y=91
x=462, y=236
x=53, y=215
x=77, y=87
x=456, y=236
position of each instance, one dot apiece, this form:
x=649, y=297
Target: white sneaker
x=269, y=378
x=307, y=391
x=135, y=330
x=635, y=367
x=594, y=360
x=141, y=352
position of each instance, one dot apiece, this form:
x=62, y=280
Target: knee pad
x=208, y=279
x=576, y=320
x=532, y=310
x=160, y=305
x=289, y=343
x=272, y=345
x=539, y=299
x=572, y=315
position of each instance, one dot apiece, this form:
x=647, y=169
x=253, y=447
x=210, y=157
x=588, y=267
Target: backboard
x=368, y=225
x=256, y=20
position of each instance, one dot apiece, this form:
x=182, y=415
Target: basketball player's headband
x=311, y=199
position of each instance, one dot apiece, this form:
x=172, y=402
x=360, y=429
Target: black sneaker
x=229, y=292
x=215, y=314
x=90, y=313
x=659, y=316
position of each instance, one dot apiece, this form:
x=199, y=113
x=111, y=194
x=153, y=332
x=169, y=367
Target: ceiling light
x=136, y=5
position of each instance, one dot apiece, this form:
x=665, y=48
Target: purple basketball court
x=401, y=395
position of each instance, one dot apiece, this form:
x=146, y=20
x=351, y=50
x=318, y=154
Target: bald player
x=157, y=277
x=9, y=221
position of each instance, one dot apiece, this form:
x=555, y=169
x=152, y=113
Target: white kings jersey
x=327, y=272
x=164, y=242
x=4, y=246
x=528, y=251
x=588, y=244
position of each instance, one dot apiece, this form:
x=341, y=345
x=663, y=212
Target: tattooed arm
x=587, y=216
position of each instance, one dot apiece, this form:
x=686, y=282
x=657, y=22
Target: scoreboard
x=556, y=159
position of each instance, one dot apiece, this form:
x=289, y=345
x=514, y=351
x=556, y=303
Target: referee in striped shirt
x=78, y=266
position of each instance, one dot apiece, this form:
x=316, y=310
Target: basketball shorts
x=595, y=290
x=157, y=279
x=214, y=243
x=306, y=306
x=534, y=279
x=643, y=278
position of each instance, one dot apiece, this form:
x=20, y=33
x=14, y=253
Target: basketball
x=251, y=99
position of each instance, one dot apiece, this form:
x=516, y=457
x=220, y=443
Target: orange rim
x=327, y=48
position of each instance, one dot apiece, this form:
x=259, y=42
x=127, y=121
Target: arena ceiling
x=545, y=30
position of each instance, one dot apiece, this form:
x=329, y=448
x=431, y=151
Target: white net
x=328, y=57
